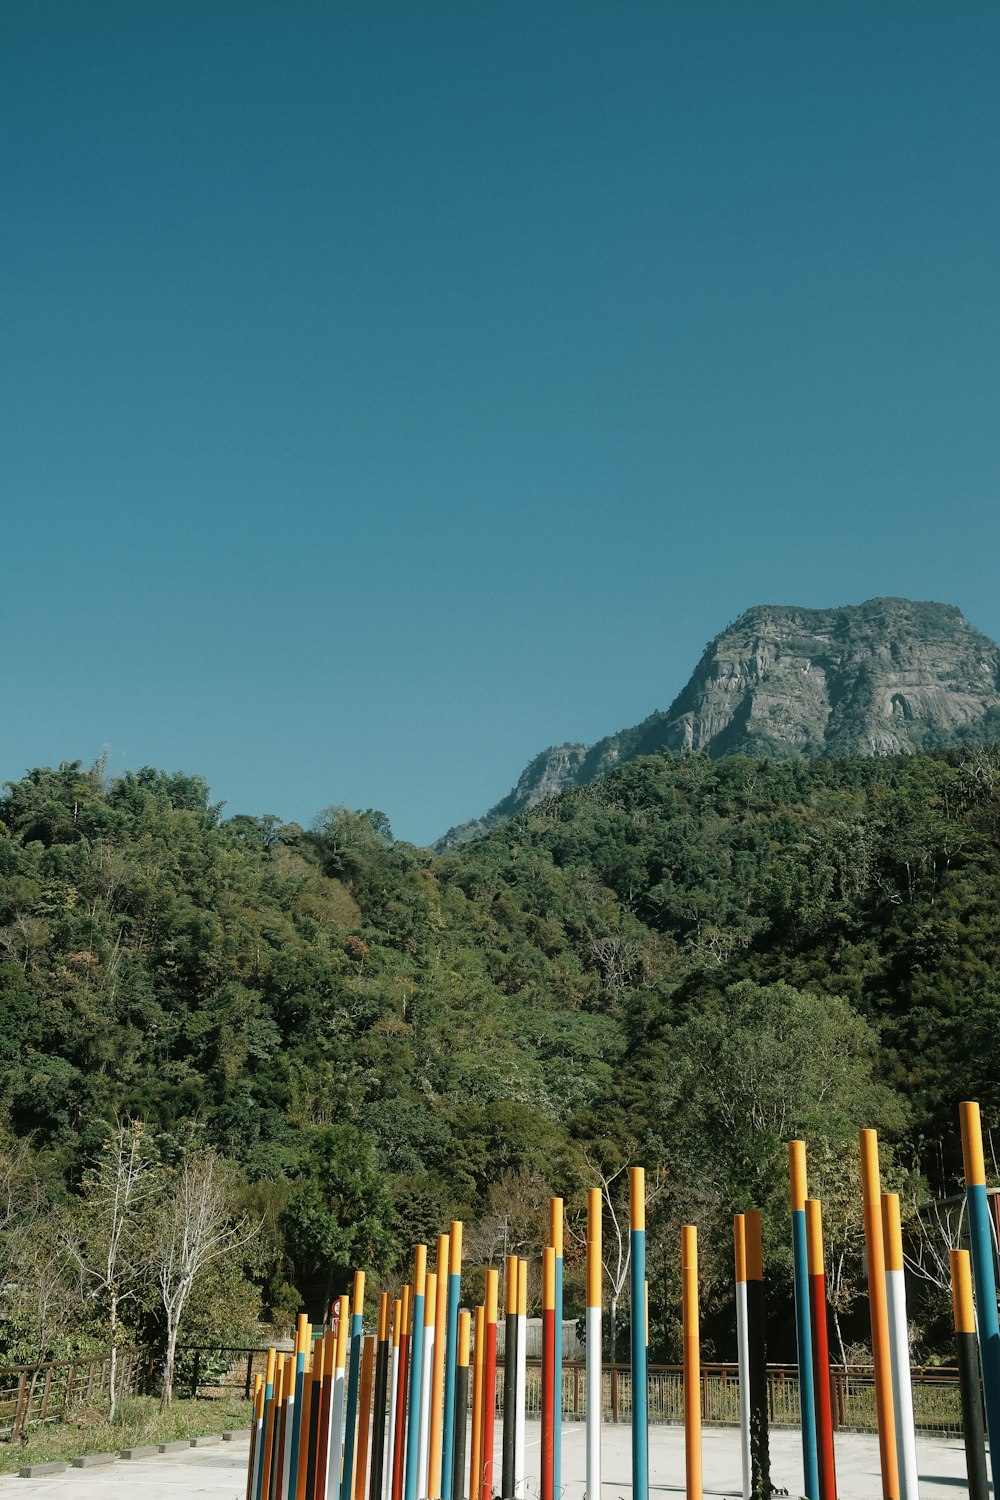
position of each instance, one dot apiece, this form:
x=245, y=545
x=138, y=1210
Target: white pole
x=899, y=1349
x=520, y=1486
x=593, y=1328
x=743, y=1350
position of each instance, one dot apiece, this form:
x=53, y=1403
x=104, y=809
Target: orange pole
x=872, y=1201
x=692, y=1363
x=364, y=1418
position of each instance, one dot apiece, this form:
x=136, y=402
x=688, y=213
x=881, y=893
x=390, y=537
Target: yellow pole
x=692, y=1363
x=872, y=1201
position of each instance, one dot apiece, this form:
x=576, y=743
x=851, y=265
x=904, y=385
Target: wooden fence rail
x=53, y=1391
x=936, y=1400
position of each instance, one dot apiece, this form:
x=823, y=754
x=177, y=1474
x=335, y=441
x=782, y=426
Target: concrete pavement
x=219, y=1473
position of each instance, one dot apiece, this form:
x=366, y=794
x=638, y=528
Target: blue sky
x=392, y=390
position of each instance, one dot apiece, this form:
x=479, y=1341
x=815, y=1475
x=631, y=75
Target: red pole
x=489, y=1383
x=820, y=1351
x=548, y=1372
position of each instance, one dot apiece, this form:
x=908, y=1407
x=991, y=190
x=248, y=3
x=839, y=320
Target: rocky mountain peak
x=888, y=677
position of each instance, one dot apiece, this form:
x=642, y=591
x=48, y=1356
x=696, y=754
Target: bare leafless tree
x=617, y=1246
x=195, y=1229
x=108, y=1243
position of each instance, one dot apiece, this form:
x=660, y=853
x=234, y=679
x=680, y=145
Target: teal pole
x=354, y=1371
x=451, y=1358
x=416, y=1376
x=640, y=1394
x=268, y=1398
x=984, y=1274
x=300, y=1375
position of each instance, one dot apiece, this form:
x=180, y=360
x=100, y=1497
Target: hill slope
x=887, y=677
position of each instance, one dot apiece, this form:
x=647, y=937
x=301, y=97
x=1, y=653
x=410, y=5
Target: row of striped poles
x=407, y=1389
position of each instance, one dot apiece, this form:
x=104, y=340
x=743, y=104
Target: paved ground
x=220, y=1472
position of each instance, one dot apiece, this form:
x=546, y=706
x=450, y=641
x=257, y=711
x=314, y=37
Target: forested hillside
x=683, y=964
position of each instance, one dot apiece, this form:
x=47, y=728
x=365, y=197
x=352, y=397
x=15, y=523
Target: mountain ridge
x=889, y=676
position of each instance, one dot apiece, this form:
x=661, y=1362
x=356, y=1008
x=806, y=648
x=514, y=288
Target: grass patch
x=137, y=1423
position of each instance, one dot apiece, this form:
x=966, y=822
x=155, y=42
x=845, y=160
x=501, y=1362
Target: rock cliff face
x=887, y=677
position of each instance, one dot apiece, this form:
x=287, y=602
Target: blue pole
x=300, y=1375
x=984, y=1272
x=803, y=1323
x=354, y=1370
x=640, y=1402
x=416, y=1375
x=268, y=1398
x=451, y=1357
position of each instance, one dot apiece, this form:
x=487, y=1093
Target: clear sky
x=390, y=390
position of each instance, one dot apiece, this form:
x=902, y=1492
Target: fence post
x=614, y=1393
x=249, y=1380
x=194, y=1373
x=68, y=1394
x=19, y=1410
x=576, y=1390
x=46, y=1391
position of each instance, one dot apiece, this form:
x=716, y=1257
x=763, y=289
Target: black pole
x=760, y=1457
x=510, y=1381
x=461, y=1407
x=967, y=1349
x=381, y=1395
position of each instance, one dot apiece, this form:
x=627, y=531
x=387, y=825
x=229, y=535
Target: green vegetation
x=138, y=1423
x=683, y=963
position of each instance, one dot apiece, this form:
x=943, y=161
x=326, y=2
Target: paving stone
x=35, y=1471
x=179, y=1445
x=149, y=1451
x=204, y=1442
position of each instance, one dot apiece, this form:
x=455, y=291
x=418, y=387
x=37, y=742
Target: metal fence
x=936, y=1402
x=52, y=1392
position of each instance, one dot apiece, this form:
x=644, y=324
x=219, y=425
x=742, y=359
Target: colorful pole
x=967, y=1349
x=381, y=1393
x=436, y=1453
x=448, y=1466
x=743, y=1350
x=300, y=1471
x=509, y=1380
x=460, y=1405
x=640, y=1392
x=760, y=1454
x=293, y=1409
x=267, y=1425
x=315, y=1413
x=594, y=1371
x=335, y=1449
x=803, y=1331
x=426, y=1383
x=692, y=1363
x=520, y=1483
x=410, y=1487
x=820, y=1350
x=281, y=1439
x=325, y=1409
x=256, y=1437
x=489, y=1382
x=391, y=1423
x=899, y=1347
x=871, y=1198
x=364, y=1418
x=981, y=1240
x=399, y=1427
x=556, y=1241
x=476, y=1457
x=548, y=1371
x=354, y=1374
